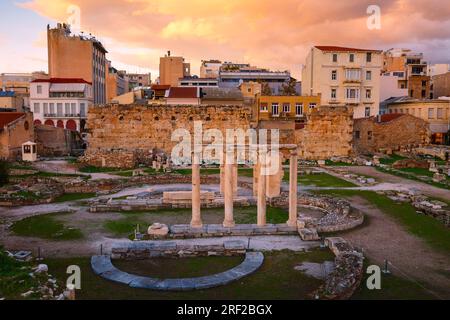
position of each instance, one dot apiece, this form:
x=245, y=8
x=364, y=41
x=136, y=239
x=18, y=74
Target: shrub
x=4, y=172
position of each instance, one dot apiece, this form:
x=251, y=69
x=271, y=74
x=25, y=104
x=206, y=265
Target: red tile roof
x=183, y=92
x=344, y=49
x=160, y=87
x=390, y=116
x=8, y=117
x=63, y=80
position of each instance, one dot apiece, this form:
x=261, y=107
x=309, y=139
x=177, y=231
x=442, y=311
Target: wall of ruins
x=54, y=141
x=123, y=135
x=405, y=131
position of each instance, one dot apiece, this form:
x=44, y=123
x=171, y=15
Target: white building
x=389, y=87
x=344, y=76
x=437, y=69
x=61, y=102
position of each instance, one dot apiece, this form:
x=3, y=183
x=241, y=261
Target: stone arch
x=71, y=125
x=37, y=122
x=49, y=122
x=60, y=124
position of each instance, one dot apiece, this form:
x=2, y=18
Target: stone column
x=261, y=200
x=293, y=188
x=228, y=193
x=196, y=221
x=235, y=179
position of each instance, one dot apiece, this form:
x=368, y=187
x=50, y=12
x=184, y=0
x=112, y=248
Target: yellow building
x=284, y=107
x=11, y=101
x=81, y=57
x=435, y=112
x=172, y=69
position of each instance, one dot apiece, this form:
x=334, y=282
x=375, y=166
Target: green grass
x=74, y=196
x=93, y=169
x=392, y=288
x=391, y=159
x=244, y=172
x=247, y=215
x=276, y=279
x=321, y=180
x=27, y=195
x=46, y=227
x=129, y=173
x=418, y=171
x=15, y=278
x=429, y=229
x=125, y=226
x=413, y=176
x=338, y=163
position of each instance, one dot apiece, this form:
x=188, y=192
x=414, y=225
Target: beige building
x=139, y=80
x=441, y=85
x=210, y=68
x=172, y=69
x=116, y=83
x=73, y=56
x=10, y=101
x=435, y=112
x=344, y=77
x=16, y=128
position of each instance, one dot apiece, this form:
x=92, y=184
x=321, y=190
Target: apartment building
x=441, y=85
x=116, y=83
x=410, y=69
x=210, y=68
x=19, y=82
x=77, y=56
x=171, y=69
x=198, y=82
x=284, y=107
x=140, y=80
x=10, y=101
x=344, y=77
x=61, y=102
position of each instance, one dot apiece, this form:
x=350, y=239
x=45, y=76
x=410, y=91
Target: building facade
x=210, y=68
x=10, y=101
x=284, y=107
x=198, y=82
x=344, y=77
x=435, y=112
x=441, y=85
x=136, y=80
x=116, y=83
x=77, y=56
x=171, y=69
x=16, y=128
x=60, y=102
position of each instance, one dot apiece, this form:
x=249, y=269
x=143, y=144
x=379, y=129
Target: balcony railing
x=65, y=115
x=352, y=100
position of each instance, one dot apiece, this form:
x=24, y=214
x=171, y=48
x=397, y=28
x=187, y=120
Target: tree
x=289, y=89
x=265, y=89
x=4, y=173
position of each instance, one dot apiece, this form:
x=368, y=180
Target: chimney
x=168, y=53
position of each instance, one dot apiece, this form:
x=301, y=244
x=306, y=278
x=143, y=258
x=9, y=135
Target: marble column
x=196, y=221
x=228, y=196
x=235, y=179
x=261, y=196
x=293, y=188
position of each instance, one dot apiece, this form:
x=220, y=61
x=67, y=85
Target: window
x=82, y=109
x=369, y=135
x=440, y=113
x=369, y=75
x=430, y=113
x=275, y=111
x=59, y=109
x=299, y=109
x=424, y=93
x=367, y=112
x=334, y=75
x=286, y=107
x=312, y=105
x=39, y=89
x=369, y=57
x=52, y=108
x=352, y=57
x=335, y=57
x=37, y=108
x=353, y=74
x=368, y=94
x=67, y=108
x=45, y=108
x=352, y=93
x=263, y=107
x=27, y=149
x=333, y=94
x=357, y=134
x=73, y=108
x=424, y=83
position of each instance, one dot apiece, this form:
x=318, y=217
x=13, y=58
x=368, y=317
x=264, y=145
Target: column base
x=291, y=223
x=228, y=224
x=196, y=224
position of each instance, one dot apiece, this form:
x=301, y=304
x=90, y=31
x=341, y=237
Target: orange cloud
x=271, y=33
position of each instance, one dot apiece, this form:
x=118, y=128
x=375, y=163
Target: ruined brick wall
x=327, y=133
x=118, y=131
x=372, y=136
x=53, y=141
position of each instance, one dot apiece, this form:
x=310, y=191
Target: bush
x=4, y=172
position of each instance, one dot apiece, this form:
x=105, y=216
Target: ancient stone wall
x=53, y=141
x=327, y=133
x=372, y=136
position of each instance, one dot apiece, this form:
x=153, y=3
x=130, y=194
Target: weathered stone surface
x=308, y=234
x=158, y=229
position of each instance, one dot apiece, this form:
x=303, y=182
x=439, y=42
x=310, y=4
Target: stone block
x=308, y=234
x=234, y=245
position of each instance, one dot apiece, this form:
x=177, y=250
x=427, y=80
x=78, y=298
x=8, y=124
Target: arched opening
x=71, y=125
x=49, y=123
x=60, y=124
x=37, y=122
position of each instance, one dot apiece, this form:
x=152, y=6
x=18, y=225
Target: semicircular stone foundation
x=103, y=266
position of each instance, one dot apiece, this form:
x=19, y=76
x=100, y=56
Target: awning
x=68, y=87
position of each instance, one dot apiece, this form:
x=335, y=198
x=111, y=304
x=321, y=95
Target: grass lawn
x=425, y=227
x=418, y=171
x=321, y=180
x=392, y=288
x=413, y=174
x=46, y=227
x=391, y=159
x=93, y=169
x=74, y=196
x=337, y=163
x=276, y=279
x=243, y=172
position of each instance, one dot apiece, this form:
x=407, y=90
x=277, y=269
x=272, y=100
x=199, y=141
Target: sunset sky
x=268, y=33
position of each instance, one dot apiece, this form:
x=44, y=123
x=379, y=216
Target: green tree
x=288, y=89
x=4, y=172
x=265, y=89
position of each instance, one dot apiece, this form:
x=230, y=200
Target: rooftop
x=8, y=117
x=160, y=87
x=183, y=92
x=62, y=80
x=344, y=49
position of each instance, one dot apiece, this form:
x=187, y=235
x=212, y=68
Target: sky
x=275, y=34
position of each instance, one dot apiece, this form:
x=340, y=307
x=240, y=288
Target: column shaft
x=196, y=221
x=293, y=188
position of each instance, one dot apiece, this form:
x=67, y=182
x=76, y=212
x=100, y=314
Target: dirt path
x=384, y=238
x=62, y=166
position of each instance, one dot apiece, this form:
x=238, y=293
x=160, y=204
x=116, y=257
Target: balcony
x=65, y=115
x=352, y=100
